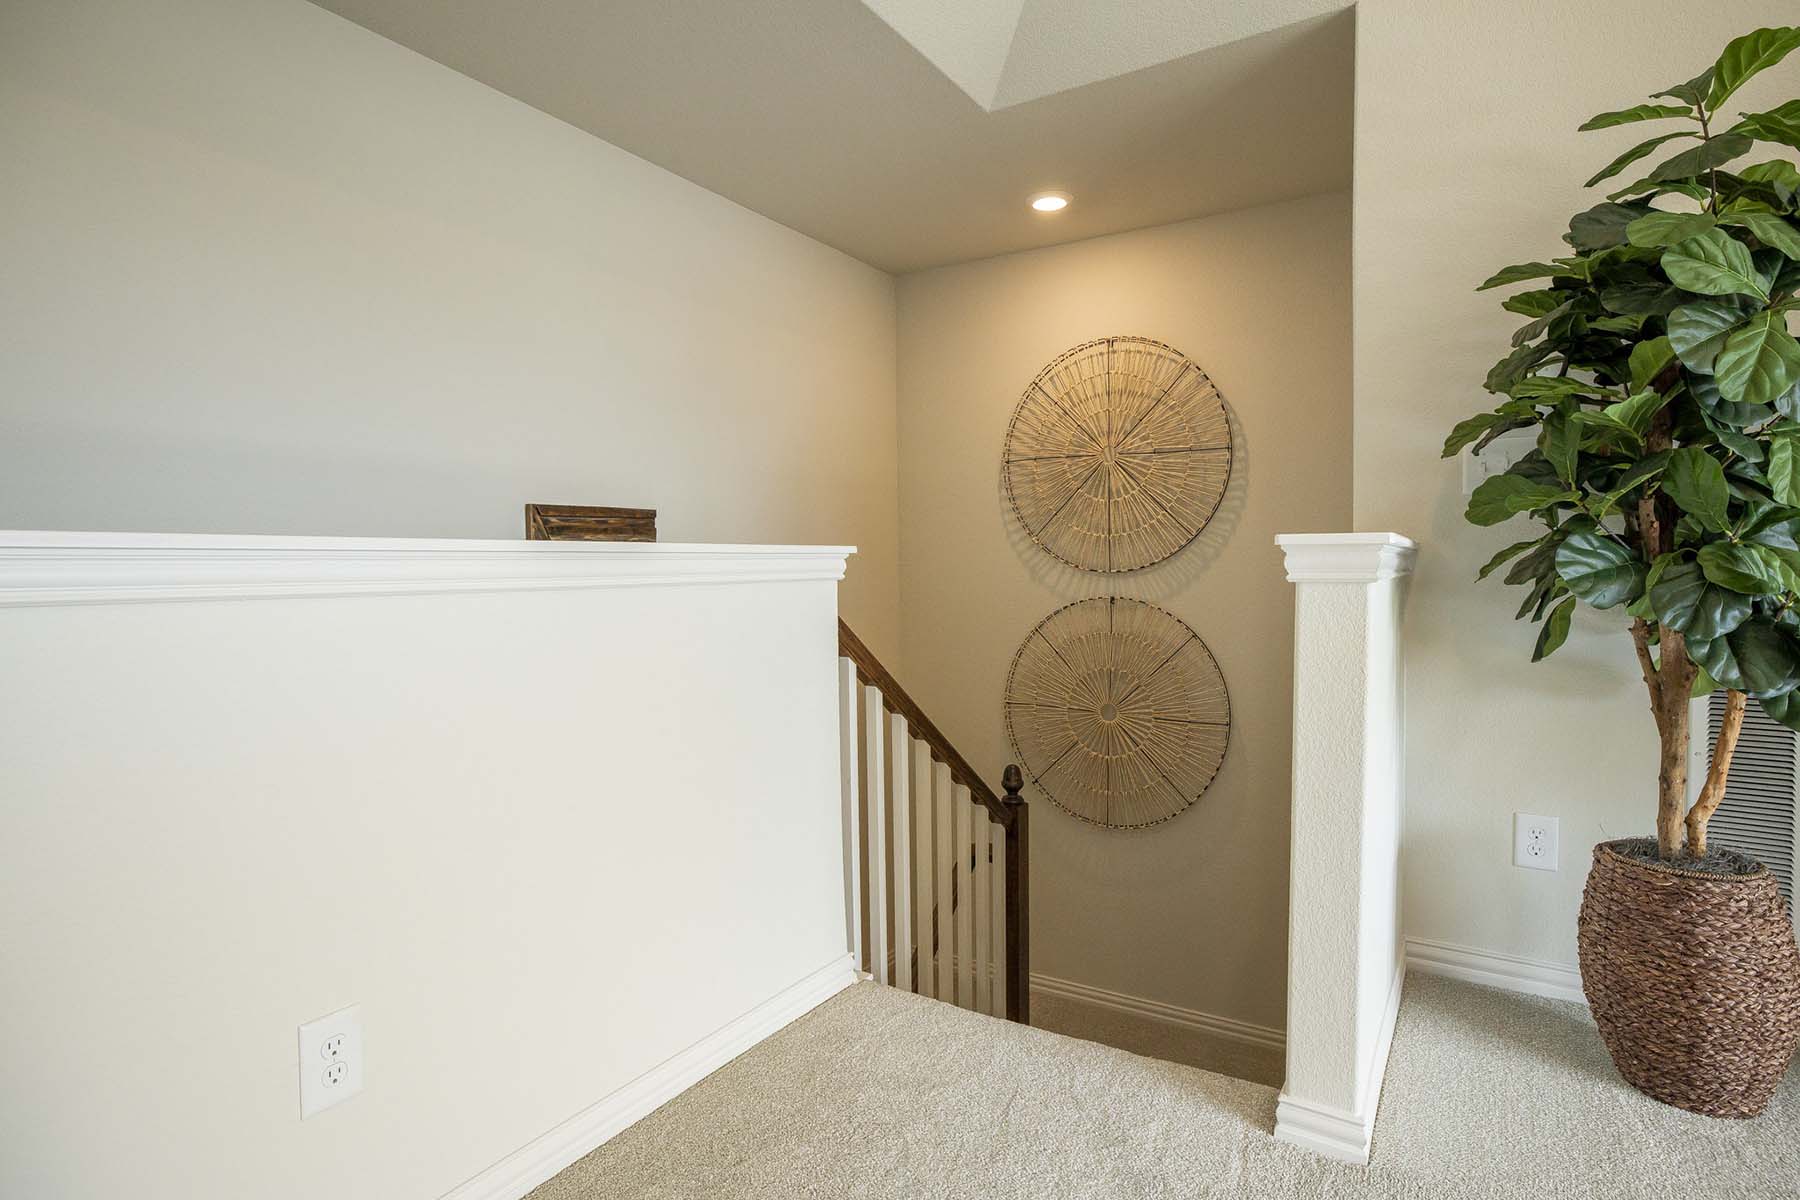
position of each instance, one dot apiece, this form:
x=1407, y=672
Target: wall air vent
x=1758, y=814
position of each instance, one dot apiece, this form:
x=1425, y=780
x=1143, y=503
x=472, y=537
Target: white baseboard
x=1532, y=976
x=1335, y=1132
x=1156, y=1010
x=531, y=1165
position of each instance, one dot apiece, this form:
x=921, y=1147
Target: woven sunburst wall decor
x=1117, y=712
x=1118, y=454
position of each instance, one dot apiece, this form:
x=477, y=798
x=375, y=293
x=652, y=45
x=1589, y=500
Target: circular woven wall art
x=1117, y=711
x=1117, y=455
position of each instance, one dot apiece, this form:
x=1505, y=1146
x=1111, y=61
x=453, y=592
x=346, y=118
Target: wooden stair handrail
x=1010, y=813
x=870, y=671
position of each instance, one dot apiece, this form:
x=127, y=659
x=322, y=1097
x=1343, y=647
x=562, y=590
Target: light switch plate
x=331, y=1060
x=1499, y=454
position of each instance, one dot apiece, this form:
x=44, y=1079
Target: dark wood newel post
x=1018, y=901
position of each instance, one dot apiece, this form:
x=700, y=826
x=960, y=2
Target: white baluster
x=900, y=796
x=921, y=777
x=997, y=942
x=965, y=899
x=984, y=919
x=875, y=777
x=852, y=808
x=942, y=799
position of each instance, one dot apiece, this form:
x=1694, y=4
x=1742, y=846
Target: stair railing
x=936, y=865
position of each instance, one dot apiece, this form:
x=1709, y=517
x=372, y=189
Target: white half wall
x=563, y=819
x=268, y=272
x=1345, y=948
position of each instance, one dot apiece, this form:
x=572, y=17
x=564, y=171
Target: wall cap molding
x=56, y=568
x=1491, y=968
x=1347, y=557
x=524, y=1169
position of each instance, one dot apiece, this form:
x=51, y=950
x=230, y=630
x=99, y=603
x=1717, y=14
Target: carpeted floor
x=880, y=1094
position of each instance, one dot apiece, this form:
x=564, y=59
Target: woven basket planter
x=1694, y=980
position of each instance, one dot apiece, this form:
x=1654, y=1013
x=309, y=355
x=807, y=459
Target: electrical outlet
x=331, y=1060
x=1534, y=842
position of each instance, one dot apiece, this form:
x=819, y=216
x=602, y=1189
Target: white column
x=1344, y=944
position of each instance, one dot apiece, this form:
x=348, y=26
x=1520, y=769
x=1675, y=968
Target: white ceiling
x=909, y=133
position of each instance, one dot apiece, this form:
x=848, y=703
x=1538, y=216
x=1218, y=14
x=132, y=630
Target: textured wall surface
x=1192, y=912
x=267, y=272
x=1441, y=204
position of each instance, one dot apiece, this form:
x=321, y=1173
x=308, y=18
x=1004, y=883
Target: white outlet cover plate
x=1535, y=842
x=325, y=1043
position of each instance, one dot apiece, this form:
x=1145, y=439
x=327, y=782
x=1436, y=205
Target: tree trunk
x=1714, y=791
x=1671, y=781
x=1676, y=680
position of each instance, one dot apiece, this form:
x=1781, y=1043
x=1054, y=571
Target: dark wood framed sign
x=588, y=523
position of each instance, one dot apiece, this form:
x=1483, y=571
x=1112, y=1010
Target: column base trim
x=1338, y=1133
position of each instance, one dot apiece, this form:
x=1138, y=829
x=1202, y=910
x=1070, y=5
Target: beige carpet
x=881, y=1094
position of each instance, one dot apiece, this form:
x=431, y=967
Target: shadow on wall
x=1157, y=583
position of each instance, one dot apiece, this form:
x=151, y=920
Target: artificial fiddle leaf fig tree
x=1657, y=366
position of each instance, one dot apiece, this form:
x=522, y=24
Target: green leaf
x=1515, y=366
x=1784, y=708
x=1535, y=304
x=1666, y=228
x=1561, y=443
x=1537, y=564
x=1696, y=482
x=1600, y=570
x=1500, y=559
x=1555, y=631
x=1752, y=570
x=1693, y=91
x=1697, y=331
x=1769, y=127
x=1779, y=174
x=1745, y=57
x=1469, y=430
x=1530, y=331
x=1634, y=477
x=1638, y=112
x=1704, y=684
x=1769, y=229
x=1648, y=359
x=1602, y=226
x=1683, y=599
x=1783, y=472
x=1760, y=361
x=1519, y=273
x=1662, y=187
x=1537, y=387
x=1637, y=412
x=1713, y=264
x=1632, y=155
x=1702, y=158
x=1640, y=299
x=1507, y=495
x=1756, y=657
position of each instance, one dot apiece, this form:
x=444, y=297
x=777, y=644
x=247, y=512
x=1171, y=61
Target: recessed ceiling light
x=1049, y=202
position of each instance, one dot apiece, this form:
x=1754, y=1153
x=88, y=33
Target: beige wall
x=267, y=272
x=1192, y=912
x=1467, y=159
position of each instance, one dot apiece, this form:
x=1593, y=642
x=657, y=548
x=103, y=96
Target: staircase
x=936, y=875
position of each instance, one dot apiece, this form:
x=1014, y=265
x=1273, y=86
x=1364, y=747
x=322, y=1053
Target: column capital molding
x=1346, y=557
